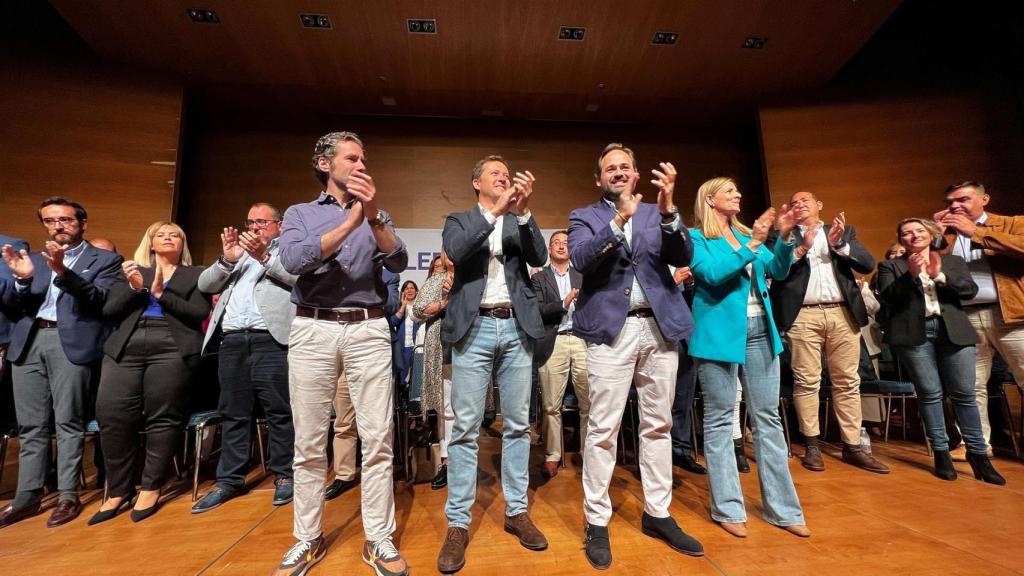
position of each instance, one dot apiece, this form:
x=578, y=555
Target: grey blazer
x=273, y=297
x=465, y=240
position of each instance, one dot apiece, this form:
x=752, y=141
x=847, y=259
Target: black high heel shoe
x=140, y=515
x=944, y=465
x=983, y=469
x=104, y=515
x=741, y=457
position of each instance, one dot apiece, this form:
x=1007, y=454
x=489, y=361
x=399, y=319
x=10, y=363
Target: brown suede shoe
x=9, y=516
x=857, y=456
x=453, y=552
x=65, y=511
x=529, y=536
x=550, y=469
x=812, y=459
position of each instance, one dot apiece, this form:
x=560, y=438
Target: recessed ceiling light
x=203, y=16
x=572, y=33
x=665, y=38
x=422, y=26
x=320, y=21
x=755, y=42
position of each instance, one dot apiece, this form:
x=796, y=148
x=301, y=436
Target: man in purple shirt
x=336, y=246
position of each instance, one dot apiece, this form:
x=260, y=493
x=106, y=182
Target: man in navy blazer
x=491, y=322
x=632, y=315
x=59, y=295
x=7, y=283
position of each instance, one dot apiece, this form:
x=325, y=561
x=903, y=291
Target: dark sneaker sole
x=535, y=547
x=379, y=573
x=451, y=569
x=281, y=502
x=656, y=536
x=812, y=468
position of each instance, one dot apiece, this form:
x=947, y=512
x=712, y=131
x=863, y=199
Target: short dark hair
x=608, y=150
x=813, y=195
x=327, y=147
x=80, y=213
x=406, y=283
x=967, y=184
x=557, y=233
x=478, y=169
x=273, y=209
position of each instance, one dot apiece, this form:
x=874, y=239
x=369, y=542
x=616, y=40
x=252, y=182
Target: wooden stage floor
x=906, y=523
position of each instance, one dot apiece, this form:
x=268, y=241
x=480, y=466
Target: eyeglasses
x=559, y=243
x=65, y=220
x=260, y=223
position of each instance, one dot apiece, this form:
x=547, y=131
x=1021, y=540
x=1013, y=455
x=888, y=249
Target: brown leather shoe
x=857, y=456
x=522, y=527
x=800, y=530
x=9, y=516
x=453, y=552
x=737, y=529
x=550, y=469
x=65, y=511
x=812, y=459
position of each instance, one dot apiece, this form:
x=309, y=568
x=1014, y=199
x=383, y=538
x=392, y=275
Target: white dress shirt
x=978, y=265
x=822, y=286
x=495, y=288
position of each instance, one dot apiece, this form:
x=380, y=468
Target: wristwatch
x=672, y=213
x=381, y=218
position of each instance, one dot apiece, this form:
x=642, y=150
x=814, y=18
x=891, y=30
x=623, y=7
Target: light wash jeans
x=760, y=379
x=939, y=365
x=496, y=348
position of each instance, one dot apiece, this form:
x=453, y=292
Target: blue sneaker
x=284, y=491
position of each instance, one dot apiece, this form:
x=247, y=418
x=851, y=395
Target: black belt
x=40, y=323
x=641, y=313
x=825, y=305
x=564, y=332
x=502, y=313
x=336, y=316
x=244, y=331
x=979, y=306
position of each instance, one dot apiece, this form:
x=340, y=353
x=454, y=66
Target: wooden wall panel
x=885, y=159
x=422, y=167
x=105, y=140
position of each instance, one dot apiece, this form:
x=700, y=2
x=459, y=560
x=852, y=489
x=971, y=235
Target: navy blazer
x=552, y=310
x=608, y=266
x=80, y=321
x=787, y=295
x=465, y=240
x=8, y=317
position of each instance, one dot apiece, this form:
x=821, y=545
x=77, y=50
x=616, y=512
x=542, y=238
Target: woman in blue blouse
x=735, y=336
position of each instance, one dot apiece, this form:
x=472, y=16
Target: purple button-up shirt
x=349, y=278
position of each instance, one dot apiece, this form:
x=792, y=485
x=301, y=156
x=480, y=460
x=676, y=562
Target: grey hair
x=327, y=147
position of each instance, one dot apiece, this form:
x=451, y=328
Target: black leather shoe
x=9, y=515
x=983, y=469
x=440, y=479
x=140, y=515
x=666, y=529
x=597, y=547
x=686, y=462
x=944, y=465
x=284, y=491
x=215, y=498
x=104, y=515
x=339, y=487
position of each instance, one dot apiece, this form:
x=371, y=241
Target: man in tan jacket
x=993, y=247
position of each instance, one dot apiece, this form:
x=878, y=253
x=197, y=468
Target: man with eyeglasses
x=55, y=348
x=249, y=327
x=559, y=353
x=337, y=244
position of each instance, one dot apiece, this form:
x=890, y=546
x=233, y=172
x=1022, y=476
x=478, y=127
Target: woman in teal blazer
x=736, y=337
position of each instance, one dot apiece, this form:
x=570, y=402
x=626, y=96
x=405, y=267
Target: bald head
x=103, y=244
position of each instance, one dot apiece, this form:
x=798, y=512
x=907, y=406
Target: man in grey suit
x=250, y=324
x=491, y=322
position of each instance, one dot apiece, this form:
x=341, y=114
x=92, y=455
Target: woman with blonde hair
x=149, y=361
x=735, y=336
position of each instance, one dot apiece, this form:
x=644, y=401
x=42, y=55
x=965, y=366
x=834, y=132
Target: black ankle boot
x=741, y=457
x=944, y=465
x=983, y=469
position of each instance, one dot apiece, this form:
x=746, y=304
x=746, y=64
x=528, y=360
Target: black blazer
x=185, y=309
x=551, y=310
x=902, y=315
x=788, y=295
x=465, y=240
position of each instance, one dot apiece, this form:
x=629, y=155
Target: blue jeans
x=939, y=365
x=495, y=348
x=760, y=378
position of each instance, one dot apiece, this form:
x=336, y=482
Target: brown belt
x=641, y=313
x=502, y=313
x=336, y=316
x=40, y=323
x=825, y=305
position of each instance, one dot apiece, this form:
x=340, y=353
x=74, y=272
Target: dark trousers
x=682, y=406
x=145, y=392
x=253, y=366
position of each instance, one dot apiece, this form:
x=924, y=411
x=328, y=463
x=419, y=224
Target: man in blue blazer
x=55, y=344
x=632, y=315
x=492, y=322
x=7, y=283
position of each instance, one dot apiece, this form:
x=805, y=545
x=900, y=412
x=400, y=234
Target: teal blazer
x=721, y=290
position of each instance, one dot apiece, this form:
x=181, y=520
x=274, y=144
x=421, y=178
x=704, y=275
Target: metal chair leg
x=888, y=406
x=828, y=414
x=785, y=426
x=1009, y=423
x=4, y=440
x=259, y=447
x=198, y=460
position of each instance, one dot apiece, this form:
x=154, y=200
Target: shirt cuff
x=672, y=226
x=618, y=232
x=22, y=284
x=843, y=250
x=940, y=279
x=524, y=219
x=491, y=218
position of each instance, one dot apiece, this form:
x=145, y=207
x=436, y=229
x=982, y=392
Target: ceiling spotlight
x=203, y=16
x=754, y=42
x=572, y=33
x=664, y=38
x=320, y=21
x=422, y=26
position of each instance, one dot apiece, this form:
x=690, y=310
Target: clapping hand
x=132, y=273
x=19, y=262
x=665, y=181
x=53, y=253
x=522, y=184
x=229, y=242
x=835, y=233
